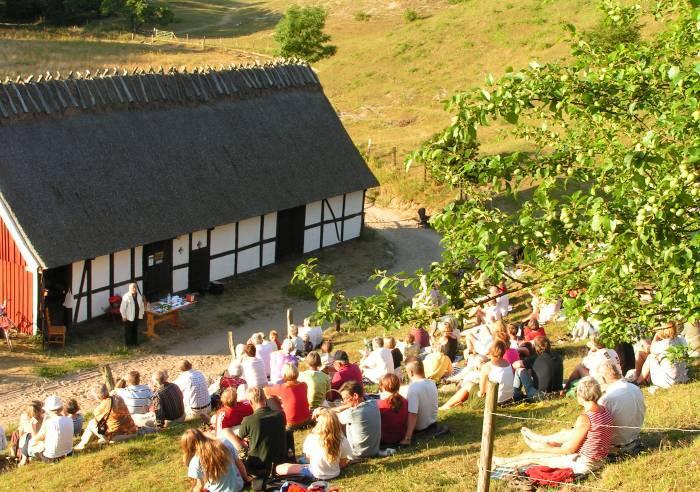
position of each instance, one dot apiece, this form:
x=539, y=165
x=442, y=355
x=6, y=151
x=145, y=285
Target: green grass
x=57, y=368
x=669, y=462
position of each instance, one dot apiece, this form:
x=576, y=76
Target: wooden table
x=154, y=318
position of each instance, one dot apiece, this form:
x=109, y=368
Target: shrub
x=363, y=16
x=410, y=15
x=300, y=33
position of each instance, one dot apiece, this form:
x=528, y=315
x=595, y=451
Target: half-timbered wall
x=233, y=249
x=333, y=220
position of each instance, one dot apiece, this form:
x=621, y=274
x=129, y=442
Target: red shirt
x=231, y=382
x=393, y=422
x=348, y=372
x=421, y=337
x=295, y=404
x=231, y=416
x=530, y=335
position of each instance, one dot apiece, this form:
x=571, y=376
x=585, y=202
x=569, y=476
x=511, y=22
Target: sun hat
x=53, y=402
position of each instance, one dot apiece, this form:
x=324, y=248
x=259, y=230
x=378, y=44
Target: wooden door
x=198, y=274
x=157, y=270
x=290, y=232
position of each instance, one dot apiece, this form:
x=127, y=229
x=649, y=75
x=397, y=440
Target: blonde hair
x=228, y=397
x=669, y=330
x=290, y=372
x=330, y=434
x=214, y=458
x=499, y=326
x=390, y=342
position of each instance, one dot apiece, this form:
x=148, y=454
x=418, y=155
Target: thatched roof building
x=107, y=178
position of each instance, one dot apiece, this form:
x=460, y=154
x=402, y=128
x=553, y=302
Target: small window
x=156, y=258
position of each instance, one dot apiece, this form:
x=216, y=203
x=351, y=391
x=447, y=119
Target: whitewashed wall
x=337, y=225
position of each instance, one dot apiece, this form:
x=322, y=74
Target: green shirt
x=318, y=384
x=267, y=441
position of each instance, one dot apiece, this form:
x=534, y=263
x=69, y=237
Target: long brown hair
x=330, y=434
x=214, y=458
x=391, y=384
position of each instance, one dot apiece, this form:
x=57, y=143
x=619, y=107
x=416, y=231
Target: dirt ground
x=252, y=302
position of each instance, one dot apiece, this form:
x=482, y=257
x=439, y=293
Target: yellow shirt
x=437, y=365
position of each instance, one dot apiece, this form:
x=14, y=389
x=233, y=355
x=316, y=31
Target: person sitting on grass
x=72, y=410
x=393, y=409
x=293, y=335
x=447, y=340
x=233, y=378
x=112, y=413
x=278, y=360
x=29, y=424
x=539, y=374
x=422, y=396
x=232, y=412
x=396, y=355
x=54, y=441
x=437, y=365
x=254, y=368
x=275, y=338
x=497, y=370
x=533, y=330
x=195, y=392
x=344, y=372
x=597, y=354
x=137, y=398
x=263, y=350
x=378, y=362
x=262, y=434
x=658, y=368
x=168, y=406
x=583, y=448
x=318, y=383
x=213, y=465
x=409, y=347
x=625, y=402
x=326, y=448
x=293, y=395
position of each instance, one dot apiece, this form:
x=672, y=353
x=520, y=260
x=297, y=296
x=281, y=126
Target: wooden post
x=231, y=346
x=487, y=439
x=106, y=372
x=337, y=325
x=369, y=148
x=290, y=317
x=204, y=38
x=153, y=39
x=393, y=150
x=187, y=36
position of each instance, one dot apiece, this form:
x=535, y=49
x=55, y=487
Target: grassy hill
x=669, y=462
x=388, y=80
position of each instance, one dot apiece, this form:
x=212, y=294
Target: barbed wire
x=650, y=429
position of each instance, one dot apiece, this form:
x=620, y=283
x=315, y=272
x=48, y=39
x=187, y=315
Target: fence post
x=231, y=346
x=369, y=148
x=487, y=439
x=290, y=317
x=393, y=150
x=106, y=372
x=204, y=38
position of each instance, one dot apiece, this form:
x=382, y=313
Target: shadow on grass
x=224, y=19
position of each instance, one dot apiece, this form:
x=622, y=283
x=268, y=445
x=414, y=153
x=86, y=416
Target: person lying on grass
x=212, y=464
x=497, y=370
x=583, y=448
x=326, y=448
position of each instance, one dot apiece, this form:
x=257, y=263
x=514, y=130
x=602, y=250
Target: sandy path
x=414, y=248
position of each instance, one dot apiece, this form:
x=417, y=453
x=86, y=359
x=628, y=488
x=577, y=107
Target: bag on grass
x=550, y=477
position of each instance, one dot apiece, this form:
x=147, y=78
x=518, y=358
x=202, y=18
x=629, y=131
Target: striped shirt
x=137, y=398
x=167, y=403
x=597, y=443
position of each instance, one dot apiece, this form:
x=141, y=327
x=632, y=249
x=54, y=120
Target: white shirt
x=254, y=372
x=263, y=352
x=195, y=390
x=3, y=439
x=663, y=372
x=319, y=465
x=504, y=377
x=59, y=436
x=625, y=402
x=596, y=357
x=502, y=304
x=378, y=363
x=128, y=306
x=315, y=334
x=422, y=396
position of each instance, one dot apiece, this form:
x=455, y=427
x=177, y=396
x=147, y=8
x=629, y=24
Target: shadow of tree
x=222, y=18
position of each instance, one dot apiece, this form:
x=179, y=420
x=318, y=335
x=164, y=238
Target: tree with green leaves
x=608, y=197
x=300, y=34
x=138, y=12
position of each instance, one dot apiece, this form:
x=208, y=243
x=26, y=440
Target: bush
x=300, y=34
x=410, y=15
x=362, y=16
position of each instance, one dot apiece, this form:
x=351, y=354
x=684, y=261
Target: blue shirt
x=230, y=482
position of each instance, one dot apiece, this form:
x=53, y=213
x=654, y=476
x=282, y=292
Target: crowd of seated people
x=263, y=398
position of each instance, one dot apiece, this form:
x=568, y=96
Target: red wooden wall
x=15, y=282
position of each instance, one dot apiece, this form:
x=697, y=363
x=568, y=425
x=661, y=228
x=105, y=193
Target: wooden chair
x=55, y=334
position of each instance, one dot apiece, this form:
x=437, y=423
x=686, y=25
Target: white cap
x=53, y=402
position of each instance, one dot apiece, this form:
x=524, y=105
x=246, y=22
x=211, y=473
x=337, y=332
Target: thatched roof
x=90, y=165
